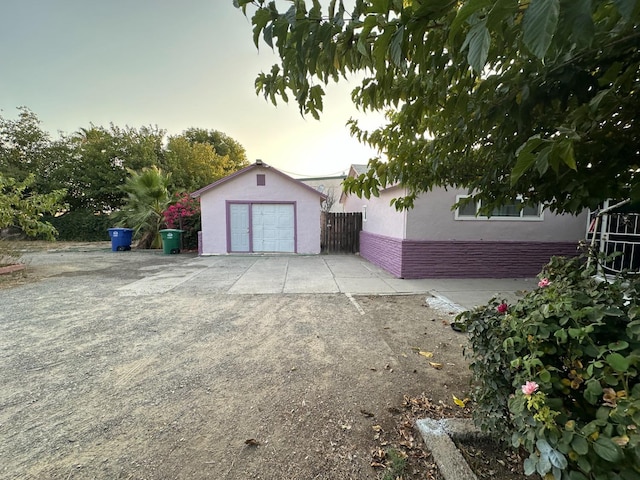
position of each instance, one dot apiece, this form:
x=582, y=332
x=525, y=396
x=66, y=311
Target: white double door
x=262, y=227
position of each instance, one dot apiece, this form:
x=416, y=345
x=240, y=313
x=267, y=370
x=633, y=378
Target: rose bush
x=558, y=372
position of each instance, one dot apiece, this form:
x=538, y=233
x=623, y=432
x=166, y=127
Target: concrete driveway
x=348, y=274
x=151, y=273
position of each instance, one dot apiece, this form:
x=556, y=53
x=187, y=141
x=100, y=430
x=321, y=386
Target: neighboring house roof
x=312, y=179
x=355, y=170
x=324, y=184
x=257, y=165
x=359, y=168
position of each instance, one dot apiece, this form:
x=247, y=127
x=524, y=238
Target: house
x=433, y=241
x=259, y=209
x=331, y=186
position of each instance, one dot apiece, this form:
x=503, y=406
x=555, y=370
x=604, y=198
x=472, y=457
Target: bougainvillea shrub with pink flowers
x=184, y=214
x=557, y=373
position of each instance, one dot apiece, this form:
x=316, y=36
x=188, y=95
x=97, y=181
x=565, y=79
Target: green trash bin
x=171, y=240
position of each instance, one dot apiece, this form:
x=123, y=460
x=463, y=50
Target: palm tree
x=147, y=198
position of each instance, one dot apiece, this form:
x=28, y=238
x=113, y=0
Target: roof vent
x=258, y=162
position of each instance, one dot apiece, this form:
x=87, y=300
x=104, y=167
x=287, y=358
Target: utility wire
x=335, y=174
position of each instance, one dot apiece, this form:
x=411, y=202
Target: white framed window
x=513, y=211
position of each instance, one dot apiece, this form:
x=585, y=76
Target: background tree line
x=93, y=168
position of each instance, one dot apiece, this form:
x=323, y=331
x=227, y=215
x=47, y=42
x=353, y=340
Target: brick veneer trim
x=413, y=259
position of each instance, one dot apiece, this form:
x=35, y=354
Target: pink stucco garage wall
x=243, y=187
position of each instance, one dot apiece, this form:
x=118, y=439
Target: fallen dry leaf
x=460, y=403
x=436, y=365
x=252, y=442
x=365, y=413
x=426, y=354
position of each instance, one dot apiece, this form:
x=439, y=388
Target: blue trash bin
x=120, y=239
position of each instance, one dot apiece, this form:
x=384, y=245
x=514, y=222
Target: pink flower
x=544, y=283
x=529, y=388
x=502, y=308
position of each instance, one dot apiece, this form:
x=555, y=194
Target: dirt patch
x=188, y=385
x=490, y=460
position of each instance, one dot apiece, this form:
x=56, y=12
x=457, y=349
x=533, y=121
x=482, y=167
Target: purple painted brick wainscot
x=460, y=259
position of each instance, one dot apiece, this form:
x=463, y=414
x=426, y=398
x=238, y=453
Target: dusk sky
x=174, y=64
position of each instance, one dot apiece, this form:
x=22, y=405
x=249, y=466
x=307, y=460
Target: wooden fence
x=340, y=232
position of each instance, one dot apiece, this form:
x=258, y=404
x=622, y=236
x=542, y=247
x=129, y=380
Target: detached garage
x=259, y=210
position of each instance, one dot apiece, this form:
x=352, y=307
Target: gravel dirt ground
x=189, y=384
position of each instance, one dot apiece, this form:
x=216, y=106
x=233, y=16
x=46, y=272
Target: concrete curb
x=443, y=304
x=437, y=436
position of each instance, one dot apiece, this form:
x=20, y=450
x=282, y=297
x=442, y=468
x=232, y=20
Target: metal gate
x=618, y=237
x=340, y=232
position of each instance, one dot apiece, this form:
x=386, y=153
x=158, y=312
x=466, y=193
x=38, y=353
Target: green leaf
x=584, y=464
x=259, y=20
x=466, y=10
x=613, y=312
x=525, y=158
x=593, y=392
x=379, y=6
x=479, y=41
x=562, y=151
x=607, y=450
x=561, y=335
x=634, y=327
x=544, y=465
x=267, y=35
x=529, y=465
x=545, y=376
x=578, y=18
x=290, y=15
x=543, y=446
x=618, y=362
x=395, y=47
x=542, y=162
x=557, y=459
x=619, y=345
x=539, y=25
x=576, y=475
x=625, y=7
x=580, y=445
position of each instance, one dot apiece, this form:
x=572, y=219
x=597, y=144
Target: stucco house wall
x=242, y=187
x=430, y=241
x=377, y=216
x=433, y=219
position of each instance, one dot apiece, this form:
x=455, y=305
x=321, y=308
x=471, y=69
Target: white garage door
x=272, y=227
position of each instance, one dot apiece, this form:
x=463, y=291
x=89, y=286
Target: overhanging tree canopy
x=536, y=98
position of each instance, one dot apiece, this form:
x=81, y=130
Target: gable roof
x=359, y=168
x=355, y=170
x=257, y=165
